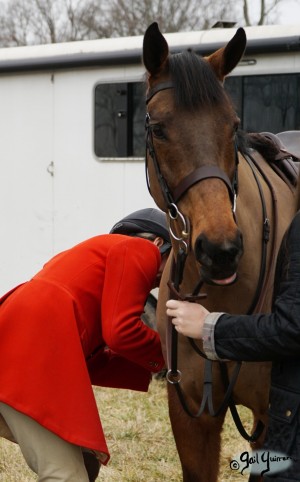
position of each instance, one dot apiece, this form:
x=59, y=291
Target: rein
x=265, y=274
x=174, y=375
x=171, y=197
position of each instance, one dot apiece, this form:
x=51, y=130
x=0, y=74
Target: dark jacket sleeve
x=274, y=336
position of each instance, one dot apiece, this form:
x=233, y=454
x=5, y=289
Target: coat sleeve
x=131, y=268
x=274, y=336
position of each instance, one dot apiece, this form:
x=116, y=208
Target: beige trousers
x=49, y=456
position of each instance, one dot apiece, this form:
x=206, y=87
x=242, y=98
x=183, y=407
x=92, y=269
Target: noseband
x=171, y=197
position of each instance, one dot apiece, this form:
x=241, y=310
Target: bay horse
x=223, y=207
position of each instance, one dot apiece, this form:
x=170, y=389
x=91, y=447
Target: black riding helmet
x=147, y=220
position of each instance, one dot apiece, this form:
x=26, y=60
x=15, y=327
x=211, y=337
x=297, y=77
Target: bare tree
x=265, y=10
x=47, y=21
x=25, y=22
x=131, y=17
x=14, y=25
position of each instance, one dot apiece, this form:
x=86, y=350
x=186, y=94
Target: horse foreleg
x=263, y=417
x=198, y=441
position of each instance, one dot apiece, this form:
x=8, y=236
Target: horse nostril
x=218, y=255
x=198, y=248
x=201, y=252
x=228, y=254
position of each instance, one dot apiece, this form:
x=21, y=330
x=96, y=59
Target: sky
x=289, y=12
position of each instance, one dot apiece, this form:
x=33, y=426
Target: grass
x=140, y=440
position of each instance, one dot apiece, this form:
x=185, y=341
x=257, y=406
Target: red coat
x=83, y=300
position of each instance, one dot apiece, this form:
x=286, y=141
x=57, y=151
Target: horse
x=228, y=210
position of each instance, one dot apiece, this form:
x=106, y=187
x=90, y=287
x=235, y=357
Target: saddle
x=287, y=160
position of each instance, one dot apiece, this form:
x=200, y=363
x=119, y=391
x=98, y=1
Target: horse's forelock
x=195, y=83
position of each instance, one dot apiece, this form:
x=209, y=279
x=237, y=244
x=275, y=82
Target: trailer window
x=119, y=120
x=266, y=103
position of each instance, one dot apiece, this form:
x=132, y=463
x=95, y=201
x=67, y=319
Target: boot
x=92, y=465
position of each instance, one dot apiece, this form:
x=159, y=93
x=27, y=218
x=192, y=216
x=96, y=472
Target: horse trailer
x=72, y=132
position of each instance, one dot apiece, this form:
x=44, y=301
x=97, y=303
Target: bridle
x=171, y=198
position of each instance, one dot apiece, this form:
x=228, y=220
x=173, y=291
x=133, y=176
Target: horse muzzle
x=219, y=261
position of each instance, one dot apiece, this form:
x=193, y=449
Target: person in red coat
x=75, y=324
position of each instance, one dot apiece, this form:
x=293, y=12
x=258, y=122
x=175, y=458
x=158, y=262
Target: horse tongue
x=225, y=281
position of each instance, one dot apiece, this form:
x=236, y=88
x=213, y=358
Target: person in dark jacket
x=262, y=337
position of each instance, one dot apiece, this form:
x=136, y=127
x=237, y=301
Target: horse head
x=191, y=149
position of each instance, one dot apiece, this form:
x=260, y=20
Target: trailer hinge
x=50, y=168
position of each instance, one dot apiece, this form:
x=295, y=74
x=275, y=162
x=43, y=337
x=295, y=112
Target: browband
x=157, y=88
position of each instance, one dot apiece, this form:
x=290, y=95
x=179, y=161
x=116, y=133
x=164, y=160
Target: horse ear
x=155, y=49
x=225, y=59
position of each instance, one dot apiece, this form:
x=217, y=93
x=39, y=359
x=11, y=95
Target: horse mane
x=195, y=83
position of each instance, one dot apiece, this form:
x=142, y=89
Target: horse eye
x=158, y=132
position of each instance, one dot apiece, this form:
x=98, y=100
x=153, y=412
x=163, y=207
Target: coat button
x=288, y=413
